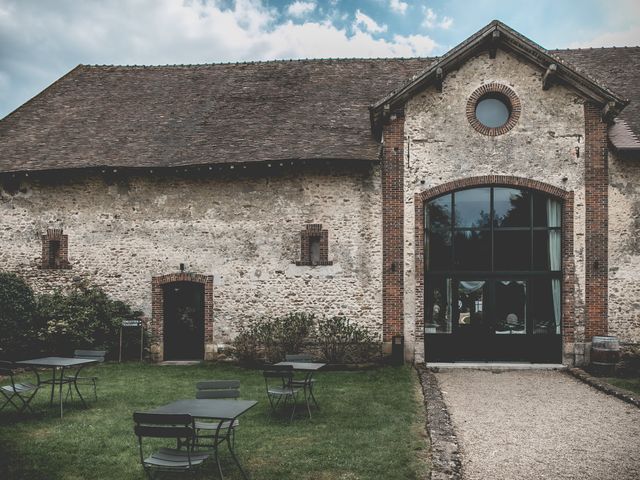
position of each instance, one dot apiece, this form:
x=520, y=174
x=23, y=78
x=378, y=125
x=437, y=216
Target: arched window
x=493, y=267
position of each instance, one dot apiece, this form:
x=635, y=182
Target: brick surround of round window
x=505, y=94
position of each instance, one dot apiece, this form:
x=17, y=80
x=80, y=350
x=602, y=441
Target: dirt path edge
x=446, y=460
x=607, y=388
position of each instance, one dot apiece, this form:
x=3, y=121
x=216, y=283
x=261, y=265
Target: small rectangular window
x=54, y=253
x=314, y=249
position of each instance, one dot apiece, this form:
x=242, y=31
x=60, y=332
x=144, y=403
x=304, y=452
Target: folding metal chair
x=180, y=428
x=71, y=379
x=215, y=389
x=307, y=383
x=283, y=388
x=24, y=392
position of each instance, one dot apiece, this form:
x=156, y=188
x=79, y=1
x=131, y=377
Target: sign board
x=131, y=323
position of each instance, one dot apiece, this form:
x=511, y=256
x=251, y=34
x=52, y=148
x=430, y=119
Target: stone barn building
x=484, y=204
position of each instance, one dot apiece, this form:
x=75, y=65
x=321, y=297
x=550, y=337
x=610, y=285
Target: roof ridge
x=258, y=62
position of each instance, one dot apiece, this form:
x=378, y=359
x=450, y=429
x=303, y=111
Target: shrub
x=84, y=318
x=340, y=341
x=18, y=332
x=272, y=339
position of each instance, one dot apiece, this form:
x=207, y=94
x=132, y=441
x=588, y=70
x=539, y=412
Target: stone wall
x=243, y=227
x=546, y=145
x=624, y=247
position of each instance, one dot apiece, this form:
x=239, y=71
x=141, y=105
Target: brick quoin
x=157, y=305
x=393, y=227
x=568, y=261
x=596, y=176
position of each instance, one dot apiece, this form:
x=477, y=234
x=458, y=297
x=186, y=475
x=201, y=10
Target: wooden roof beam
x=495, y=39
x=549, y=76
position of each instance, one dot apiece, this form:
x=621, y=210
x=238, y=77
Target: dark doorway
x=183, y=321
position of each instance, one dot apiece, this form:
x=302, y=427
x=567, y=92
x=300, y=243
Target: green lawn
x=631, y=384
x=370, y=426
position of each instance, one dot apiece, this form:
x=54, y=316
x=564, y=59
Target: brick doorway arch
x=568, y=279
x=158, y=284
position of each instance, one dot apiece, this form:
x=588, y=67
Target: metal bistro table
x=213, y=409
x=309, y=369
x=60, y=363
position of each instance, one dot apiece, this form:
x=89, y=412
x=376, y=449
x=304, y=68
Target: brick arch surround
x=157, y=310
x=568, y=264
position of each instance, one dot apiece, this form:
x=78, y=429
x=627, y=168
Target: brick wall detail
x=392, y=228
x=157, y=310
x=55, y=235
x=311, y=231
x=596, y=177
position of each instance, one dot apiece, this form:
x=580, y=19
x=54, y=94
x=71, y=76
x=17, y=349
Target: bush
x=18, y=331
x=272, y=339
x=84, y=318
x=340, y=341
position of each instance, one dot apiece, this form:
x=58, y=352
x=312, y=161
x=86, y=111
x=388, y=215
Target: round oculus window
x=493, y=110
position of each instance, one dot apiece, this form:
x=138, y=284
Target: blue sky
x=40, y=40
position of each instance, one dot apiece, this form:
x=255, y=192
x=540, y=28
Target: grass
x=631, y=384
x=370, y=426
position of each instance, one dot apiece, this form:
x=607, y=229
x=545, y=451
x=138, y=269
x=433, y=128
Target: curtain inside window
x=554, y=212
x=471, y=286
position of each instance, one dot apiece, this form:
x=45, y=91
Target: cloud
x=300, y=9
x=431, y=20
x=368, y=23
x=41, y=42
x=398, y=6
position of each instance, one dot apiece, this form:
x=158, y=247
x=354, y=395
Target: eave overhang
x=498, y=35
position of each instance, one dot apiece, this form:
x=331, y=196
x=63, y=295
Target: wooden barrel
x=605, y=352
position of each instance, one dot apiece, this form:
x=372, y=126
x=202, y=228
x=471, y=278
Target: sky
x=41, y=40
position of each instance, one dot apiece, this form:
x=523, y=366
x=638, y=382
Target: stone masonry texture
x=242, y=227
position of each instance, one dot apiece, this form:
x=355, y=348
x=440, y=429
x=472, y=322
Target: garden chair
x=178, y=427
x=216, y=389
x=22, y=392
x=307, y=382
x=278, y=380
x=71, y=379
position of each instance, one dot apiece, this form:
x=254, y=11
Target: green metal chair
x=71, y=379
x=307, y=383
x=213, y=431
x=178, y=427
x=278, y=380
x=22, y=392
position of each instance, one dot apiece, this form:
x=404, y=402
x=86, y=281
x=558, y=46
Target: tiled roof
x=619, y=69
x=202, y=114
x=169, y=116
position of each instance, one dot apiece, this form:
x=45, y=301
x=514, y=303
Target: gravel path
x=540, y=425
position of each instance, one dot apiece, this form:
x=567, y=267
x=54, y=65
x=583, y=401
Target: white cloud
x=300, y=9
x=39, y=42
x=398, y=6
x=369, y=24
x=629, y=38
x=431, y=20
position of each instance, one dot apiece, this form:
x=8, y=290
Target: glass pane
x=314, y=249
x=546, y=250
x=512, y=249
x=492, y=112
x=546, y=306
x=511, y=307
x=547, y=212
x=472, y=250
x=438, y=306
x=511, y=207
x=439, y=250
x=473, y=208
x=471, y=304
x=439, y=213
